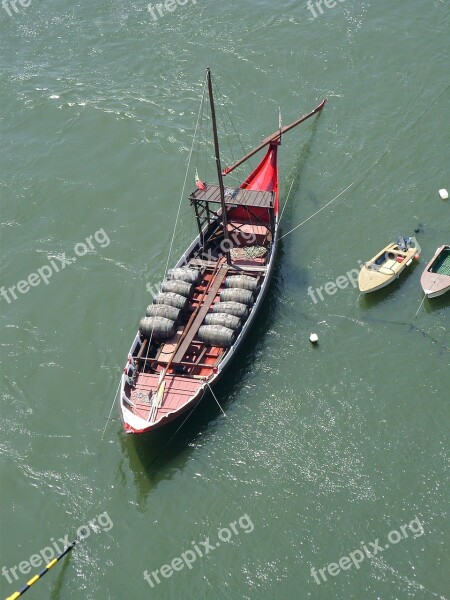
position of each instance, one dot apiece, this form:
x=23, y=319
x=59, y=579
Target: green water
x=323, y=447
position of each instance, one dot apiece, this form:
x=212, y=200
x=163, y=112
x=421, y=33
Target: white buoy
x=443, y=194
x=314, y=338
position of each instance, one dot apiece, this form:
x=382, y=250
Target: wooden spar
x=219, y=167
x=275, y=137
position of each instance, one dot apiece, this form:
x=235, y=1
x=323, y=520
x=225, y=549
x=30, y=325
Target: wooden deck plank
x=198, y=262
x=235, y=197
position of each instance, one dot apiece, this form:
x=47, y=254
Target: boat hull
x=435, y=284
x=384, y=268
x=133, y=425
x=441, y=292
x=173, y=381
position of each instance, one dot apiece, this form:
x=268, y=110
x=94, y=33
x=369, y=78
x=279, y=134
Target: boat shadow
x=289, y=269
x=57, y=591
x=379, y=296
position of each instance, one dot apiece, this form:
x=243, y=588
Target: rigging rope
x=201, y=138
x=186, y=176
x=386, y=151
x=226, y=131
x=232, y=123
x=287, y=198
x=200, y=110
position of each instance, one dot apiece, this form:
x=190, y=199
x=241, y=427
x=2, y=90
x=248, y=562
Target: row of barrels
x=220, y=326
x=161, y=317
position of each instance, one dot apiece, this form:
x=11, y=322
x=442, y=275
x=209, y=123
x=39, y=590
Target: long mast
x=219, y=167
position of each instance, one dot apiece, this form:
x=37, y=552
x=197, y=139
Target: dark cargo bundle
x=223, y=319
x=231, y=308
x=216, y=335
x=163, y=310
x=237, y=295
x=157, y=327
x=172, y=300
x=184, y=274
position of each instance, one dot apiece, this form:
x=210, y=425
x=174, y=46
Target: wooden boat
x=386, y=266
x=224, y=275
x=435, y=279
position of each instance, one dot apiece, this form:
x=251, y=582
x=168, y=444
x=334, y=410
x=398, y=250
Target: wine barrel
x=163, y=310
x=157, y=327
x=172, y=300
x=237, y=295
x=216, y=335
x=184, y=274
x=231, y=308
x=244, y=282
x=224, y=320
x=178, y=287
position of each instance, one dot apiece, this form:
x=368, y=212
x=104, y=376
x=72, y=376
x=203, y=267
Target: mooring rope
x=112, y=407
x=386, y=151
x=218, y=404
x=420, y=306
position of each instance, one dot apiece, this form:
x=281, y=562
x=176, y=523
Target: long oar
x=51, y=564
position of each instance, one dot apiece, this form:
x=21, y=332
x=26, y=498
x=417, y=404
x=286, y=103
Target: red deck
x=177, y=392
